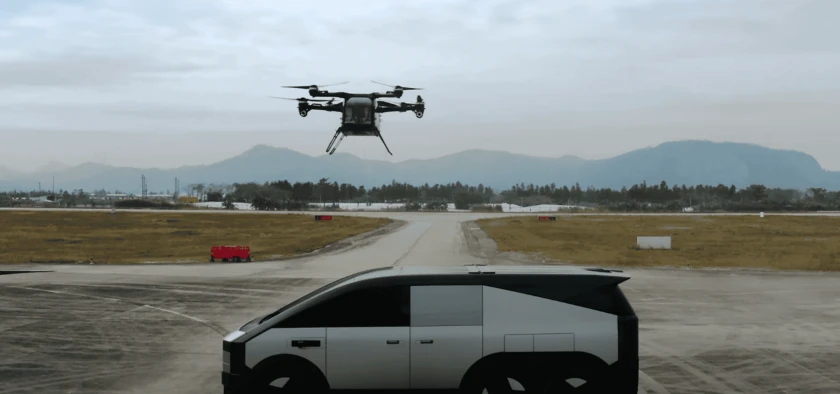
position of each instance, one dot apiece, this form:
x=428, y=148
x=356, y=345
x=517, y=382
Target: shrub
x=137, y=203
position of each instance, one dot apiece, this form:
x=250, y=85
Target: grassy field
x=133, y=237
x=776, y=242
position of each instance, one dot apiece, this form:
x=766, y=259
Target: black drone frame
x=306, y=104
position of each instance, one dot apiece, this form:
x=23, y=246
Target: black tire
x=248, y=259
x=300, y=378
x=561, y=382
x=236, y=259
x=212, y=260
x=497, y=380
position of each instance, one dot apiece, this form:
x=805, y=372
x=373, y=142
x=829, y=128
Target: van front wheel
x=286, y=377
x=574, y=381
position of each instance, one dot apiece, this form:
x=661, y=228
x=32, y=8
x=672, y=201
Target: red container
x=230, y=253
x=323, y=217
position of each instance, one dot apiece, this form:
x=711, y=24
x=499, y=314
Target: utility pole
x=143, y=189
x=177, y=188
x=53, y=187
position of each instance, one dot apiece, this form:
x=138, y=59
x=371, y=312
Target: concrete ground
x=158, y=328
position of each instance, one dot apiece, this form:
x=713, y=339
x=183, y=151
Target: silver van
x=537, y=329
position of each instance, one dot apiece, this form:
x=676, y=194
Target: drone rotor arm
x=300, y=99
x=396, y=87
x=313, y=87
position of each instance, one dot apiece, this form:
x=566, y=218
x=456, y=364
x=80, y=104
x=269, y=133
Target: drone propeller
x=311, y=87
x=302, y=99
x=397, y=87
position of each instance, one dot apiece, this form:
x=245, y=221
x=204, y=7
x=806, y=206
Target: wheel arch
x=290, y=360
x=532, y=362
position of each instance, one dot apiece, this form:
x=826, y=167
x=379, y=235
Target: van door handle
x=392, y=341
x=426, y=341
x=299, y=343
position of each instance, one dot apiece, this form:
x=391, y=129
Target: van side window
x=605, y=298
x=447, y=306
x=386, y=306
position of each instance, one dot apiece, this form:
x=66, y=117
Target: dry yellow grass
x=131, y=237
x=776, y=242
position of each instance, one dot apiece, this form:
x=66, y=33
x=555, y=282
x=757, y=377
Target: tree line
x=298, y=195
x=638, y=197
x=285, y=195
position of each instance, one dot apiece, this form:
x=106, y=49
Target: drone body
x=360, y=112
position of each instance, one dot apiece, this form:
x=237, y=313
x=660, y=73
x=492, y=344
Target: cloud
x=81, y=71
x=538, y=68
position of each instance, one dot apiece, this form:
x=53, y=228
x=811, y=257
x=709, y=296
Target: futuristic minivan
x=537, y=329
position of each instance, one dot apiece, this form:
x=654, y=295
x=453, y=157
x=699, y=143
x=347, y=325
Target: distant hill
x=683, y=162
x=53, y=166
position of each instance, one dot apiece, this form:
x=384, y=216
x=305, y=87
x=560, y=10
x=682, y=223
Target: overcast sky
x=173, y=82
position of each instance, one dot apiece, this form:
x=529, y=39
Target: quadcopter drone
x=360, y=111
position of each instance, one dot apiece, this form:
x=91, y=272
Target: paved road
x=157, y=329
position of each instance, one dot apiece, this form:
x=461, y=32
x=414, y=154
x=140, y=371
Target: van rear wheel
x=574, y=381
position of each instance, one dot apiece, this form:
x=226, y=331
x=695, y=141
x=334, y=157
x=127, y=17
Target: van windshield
x=324, y=289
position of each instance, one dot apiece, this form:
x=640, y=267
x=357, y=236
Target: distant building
x=44, y=199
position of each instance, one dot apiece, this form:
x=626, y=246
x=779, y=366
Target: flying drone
x=360, y=111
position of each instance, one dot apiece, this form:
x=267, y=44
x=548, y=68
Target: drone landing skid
x=334, y=147
x=333, y=141
x=339, y=136
x=336, y=144
x=383, y=143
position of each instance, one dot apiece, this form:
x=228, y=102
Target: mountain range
x=680, y=162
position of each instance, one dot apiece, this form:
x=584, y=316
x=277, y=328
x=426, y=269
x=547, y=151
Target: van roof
x=488, y=270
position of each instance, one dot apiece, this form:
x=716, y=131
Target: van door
x=368, y=340
x=446, y=334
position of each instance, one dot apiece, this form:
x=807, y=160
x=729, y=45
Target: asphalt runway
x=158, y=328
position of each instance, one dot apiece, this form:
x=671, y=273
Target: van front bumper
x=233, y=383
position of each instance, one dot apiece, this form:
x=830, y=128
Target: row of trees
x=63, y=198
x=664, y=197
x=286, y=195
x=661, y=196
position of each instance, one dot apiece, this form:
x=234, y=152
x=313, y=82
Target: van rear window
x=606, y=298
